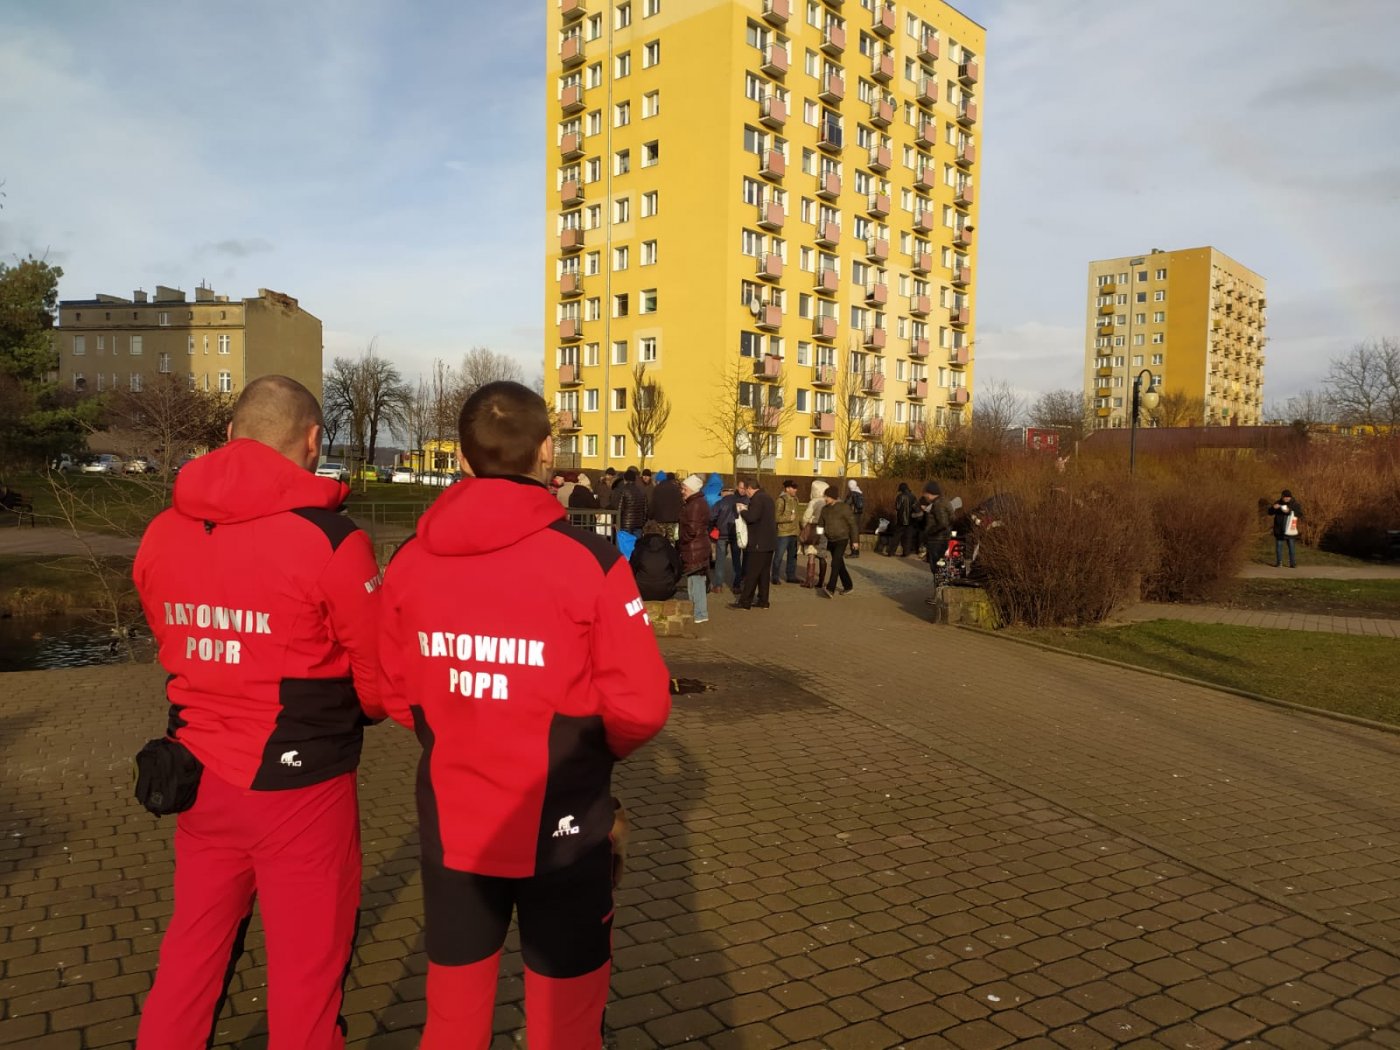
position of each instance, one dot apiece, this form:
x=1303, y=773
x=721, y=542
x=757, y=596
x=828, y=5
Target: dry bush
x=1350, y=492
x=1071, y=554
x=1202, y=529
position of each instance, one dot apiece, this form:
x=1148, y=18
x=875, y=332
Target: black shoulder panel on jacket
x=336, y=526
x=407, y=540
x=604, y=552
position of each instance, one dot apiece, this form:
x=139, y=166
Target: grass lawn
x=1262, y=553
x=1355, y=676
x=1379, y=599
x=31, y=586
x=110, y=503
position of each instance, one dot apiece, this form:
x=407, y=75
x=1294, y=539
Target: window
x=624, y=16
x=647, y=303
x=136, y=347
x=1158, y=359
x=1141, y=297
x=1142, y=275
x=102, y=343
x=646, y=350
x=619, y=399
x=651, y=54
x=619, y=352
x=648, y=253
x=651, y=104
x=622, y=114
x=1158, y=338
x=224, y=345
x=1138, y=340
x=1137, y=361
x=135, y=381
x=590, y=400
x=1159, y=296
x=590, y=355
x=651, y=7
x=619, y=446
x=649, y=202
x=595, y=75
x=1139, y=318
x=1162, y=274
x=620, y=258
x=592, y=309
x=622, y=162
x=799, y=447
x=622, y=65
x=822, y=450
x=190, y=347
x=620, y=305
x=651, y=153
x=1159, y=316
x=622, y=209
x=80, y=382
x=79, y=345
x=164, y=363
x=595, y=123
x=164, y=319
x=590, y=445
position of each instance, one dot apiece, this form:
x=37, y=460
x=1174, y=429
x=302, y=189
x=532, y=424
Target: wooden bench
x=18, y=506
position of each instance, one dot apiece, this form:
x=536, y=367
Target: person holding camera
x=1287, y=514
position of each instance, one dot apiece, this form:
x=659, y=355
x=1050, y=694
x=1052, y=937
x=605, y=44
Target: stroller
x=959, y=566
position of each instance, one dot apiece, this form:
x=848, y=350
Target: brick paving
x=873, y=833
x=1373, y=627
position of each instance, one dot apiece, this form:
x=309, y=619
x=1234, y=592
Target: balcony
x=877, y=294
x=571, y=9
x=917, y=432
x=769, y=366
x=962, y=276
x=923, y=220
x=918, y=388
x=921, y=262
x=829, y=136
x=967, y=154
x=882, y=66
x=882, y=20
x=960, y=356
x=570, y=240
x=878, y=205
x=824, y=327
x=1105, y=329
x=928, y=48
x=769, y=317
x=569, y=376
x=1108, y=289
x=570, y=328
x=918, y=348
x=1106, y=310
x=1103, y=413
x=834, y=40
x=772, y=112
x=828, y=234
x=833, y=90
x=829, y=186
x=767, y=417
x=571, y=98
x=924, y=178
x=770, y=266
x=880, y=158
x=967, y=115
x=773, y=164
x=873, y=382
x=965, y=195
x=827, y=280
x=927, y=93
x=926, y=134
x=777, y=12
x=962, y=235
x=567, y=421
x=823, y=422
x=1104, y=370
x=873, y=427
x=959, y=316
x=958, y=395
x=771, y=215
x=881, y=112
x=824, y=375
x=570, y=285
x=775, y=60
x=571, y=52
x=571, y=146
x=877, y=249
x=1103, y=391
x=875, y=338
x=967, y=72
x=919, y=305
x=571, y=194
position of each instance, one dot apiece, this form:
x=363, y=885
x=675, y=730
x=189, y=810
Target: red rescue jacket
x=519, y=650
x=264, y=603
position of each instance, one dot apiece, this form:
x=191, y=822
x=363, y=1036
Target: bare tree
x=996, y=411
x=1067, y=410
x=481, y=365
x=386, y=398
x=884, y=448
x=729, y=421
x=1364, y=385
x=651, y=411
x=853, y=411
x=1176, y=408
x=167, y=420
x=1309, y=409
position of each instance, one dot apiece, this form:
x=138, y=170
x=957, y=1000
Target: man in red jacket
x=518, y=648
x=264, y=602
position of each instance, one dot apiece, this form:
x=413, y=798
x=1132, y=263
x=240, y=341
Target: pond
x=43, y=643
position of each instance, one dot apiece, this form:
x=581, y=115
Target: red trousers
x=298, y=852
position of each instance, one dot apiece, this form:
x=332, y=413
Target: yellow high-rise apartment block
x=1194, y=318
x=771, y=205
x=214, y=343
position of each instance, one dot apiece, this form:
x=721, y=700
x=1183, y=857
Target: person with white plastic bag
x=1288, y=515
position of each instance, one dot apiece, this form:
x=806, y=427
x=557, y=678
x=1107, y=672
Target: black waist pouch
x=167, y=776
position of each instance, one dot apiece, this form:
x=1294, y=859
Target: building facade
x=1194, y=318
x=771, y=205
x=215, y=343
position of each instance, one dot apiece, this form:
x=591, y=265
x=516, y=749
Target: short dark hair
x=749, y=482
x=631, y=474
x=790, y=483
x=501, y=429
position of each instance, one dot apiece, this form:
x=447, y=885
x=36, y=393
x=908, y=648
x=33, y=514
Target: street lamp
x=1141, y=399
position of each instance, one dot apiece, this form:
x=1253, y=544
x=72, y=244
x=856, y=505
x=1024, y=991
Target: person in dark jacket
x=605, y=488
x=630, y=503
x=1287, y=513
x=856, y=499
x=582, y=495
x=727, y=553
x=841, y=529
x=656, y=564
x=938, y=524
x=666, y=501
x=756, y=508
x=695, y=545
x=898, y=534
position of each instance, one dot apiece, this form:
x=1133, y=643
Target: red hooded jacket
x=519, y=650
x=264, y=602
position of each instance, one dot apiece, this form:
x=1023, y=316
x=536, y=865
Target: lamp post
x=1141, y=399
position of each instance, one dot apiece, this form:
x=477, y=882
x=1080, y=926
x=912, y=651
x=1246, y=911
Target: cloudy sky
x=383, y=162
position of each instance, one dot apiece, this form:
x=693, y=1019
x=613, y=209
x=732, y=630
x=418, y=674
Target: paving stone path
x=871, y=833
x=1277, y=620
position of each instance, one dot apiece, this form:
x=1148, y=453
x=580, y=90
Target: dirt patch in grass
x=1344, y=673
x=1376, y=599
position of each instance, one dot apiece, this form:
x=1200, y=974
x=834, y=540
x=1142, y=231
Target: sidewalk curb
x=1336, y=716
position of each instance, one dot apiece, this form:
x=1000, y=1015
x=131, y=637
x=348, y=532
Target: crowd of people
x=709, y=538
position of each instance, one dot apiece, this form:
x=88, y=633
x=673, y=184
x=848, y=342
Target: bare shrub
x=1202, y=529
x=1071, y=555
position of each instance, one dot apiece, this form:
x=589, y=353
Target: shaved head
x=278, y=412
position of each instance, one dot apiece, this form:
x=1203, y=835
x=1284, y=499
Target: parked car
x=63, y=464
x=104, y=464
x=384, y=473
x=403, y=476
x=138, y=466
x=333, y=470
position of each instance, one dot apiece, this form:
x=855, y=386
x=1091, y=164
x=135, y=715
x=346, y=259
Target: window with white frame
x=79, y=345
x=225, y=344
x=163, y=363
x=622, y=65
x=646, y=349
x=651, y=104
x=651, y=154
x=650, y=200
x=619, y=352
x=134, y=382
x=646, y=303
x=136, y=345
x=620, y=258
x=619, y=446
x=619, y=399
x=651, y=54
x=648, y=253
